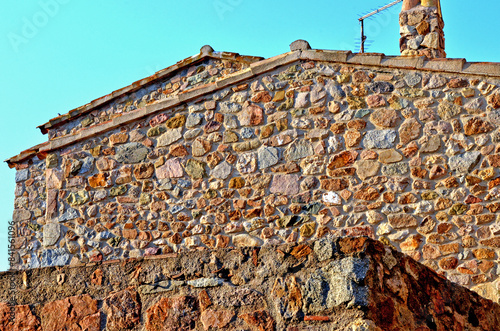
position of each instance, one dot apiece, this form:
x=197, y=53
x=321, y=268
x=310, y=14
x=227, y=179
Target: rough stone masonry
x=354, y=284
x=222, y=150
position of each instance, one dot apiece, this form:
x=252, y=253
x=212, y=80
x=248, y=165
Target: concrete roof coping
x=257, y=67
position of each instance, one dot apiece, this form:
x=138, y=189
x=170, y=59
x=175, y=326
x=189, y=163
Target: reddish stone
x=24, y=320
x=158, y=119
x=409, y=130
x=251, y=115
x=260, y=319
x=144, y=170
x=171, y=169
x=212, y=126
x=70, y=313
x=477, y=125
x=368, y=194
x=285, y=184
x=262, y=96
x=342, y=159
x=178, y=151
x=458, y=82
x=337, y=184
x=123, y=309
x=375, y=101
x=494, y=100
x=105, y=164
x=349, y=245
x=301, y=251
x=204, y=300
x=385, y=118
x=494, y=160
x=472, y=199
x=448, y=263
x=54, y=178
x=216, y=319
x=180, y=313
x=316, y=318
x=96, y=277
x=437, y=171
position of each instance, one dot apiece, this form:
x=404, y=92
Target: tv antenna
x=362, y=21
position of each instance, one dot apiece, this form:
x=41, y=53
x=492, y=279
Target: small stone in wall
x=131, y=153
x=285, y=184
x=195, y=169
x=381, y=139
x=246, y=240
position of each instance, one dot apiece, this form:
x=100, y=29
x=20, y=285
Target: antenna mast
x=362, y=19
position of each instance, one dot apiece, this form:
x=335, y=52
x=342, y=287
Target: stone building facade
x=222, y=150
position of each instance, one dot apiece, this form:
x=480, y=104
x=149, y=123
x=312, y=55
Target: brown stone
x=285, y=184
x=105, y=164
x=494, y=100
x=409, y=130
x=342, y=159
x=216, y=319
x=368, y=194
x=99, y=180
x=483, y=253
x=352, y=138
x=375, y=101
x=448, y=263
x=493, y=242
x=118, y=138
x=385, y=118
x=178, y=151
x=400, y=221
x=23, y=320
x=260, y=319
x=179, y=313
x=70, y=314
x=477, y=125
x=262, y=96
x=301, y=251
x=337, y=184
x=494, y=160
x=144, y=170
x=123, y=310
x=458, y=82
x=251, y=115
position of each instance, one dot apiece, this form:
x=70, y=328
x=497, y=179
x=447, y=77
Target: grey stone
x=51, y=233
x=21, y=215
x=222, y=170
x=229, y=107
x=104, y=235
x=87, y=165
x=476, y=106
x=205, y=282
x=193, y=120
x=22, y=175
x=246, y=133
x=413, y=79
x=494, y=116
x=69, y=214
x=230, y=121
x=335, y=90
x=395, y=169
x=382, y=139
x=50, y=258
x=447, y=110
x=131, y=153
x=169, y=137
x=163, y=286
x=324, y=249
x=381, y=87
x=464, y=163
x=267, y=157
x=191, y=134
x=299, y=149
x=299, y=45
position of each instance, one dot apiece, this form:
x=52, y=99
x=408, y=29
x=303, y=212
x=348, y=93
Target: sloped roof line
x=450, y=66
x=206, y=52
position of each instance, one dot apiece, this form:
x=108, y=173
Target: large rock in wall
x=351, y=283
x=307, y=150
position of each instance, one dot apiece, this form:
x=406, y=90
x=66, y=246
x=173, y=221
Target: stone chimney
x=421, y=29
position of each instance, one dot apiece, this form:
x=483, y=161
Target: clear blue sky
x=56, y=55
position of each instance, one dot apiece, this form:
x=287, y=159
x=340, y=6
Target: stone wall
x=300, y=150
x=338, y=284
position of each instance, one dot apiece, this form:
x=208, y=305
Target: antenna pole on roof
x=362, y=19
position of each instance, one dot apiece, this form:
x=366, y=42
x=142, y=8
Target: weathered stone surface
x=222, y=171
x=448, y=110
x=464, y=163
x=178, y=313
x=267, y=157
x=381, y=139
x=195, y=169
x=169, y=137
x=285, y=184
x=389, y=156
x=71, y=314
x=395, y=169
x=122, y=309
x=402, y=221
x=409, y=130
x=131, y=153
x=246, y=240
x=367, y=168
x=298, y=149
x=171, y=169
x=477, y=125
x=384, y=118
x=251, y=115
x=51, y=234
x=216, y=318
